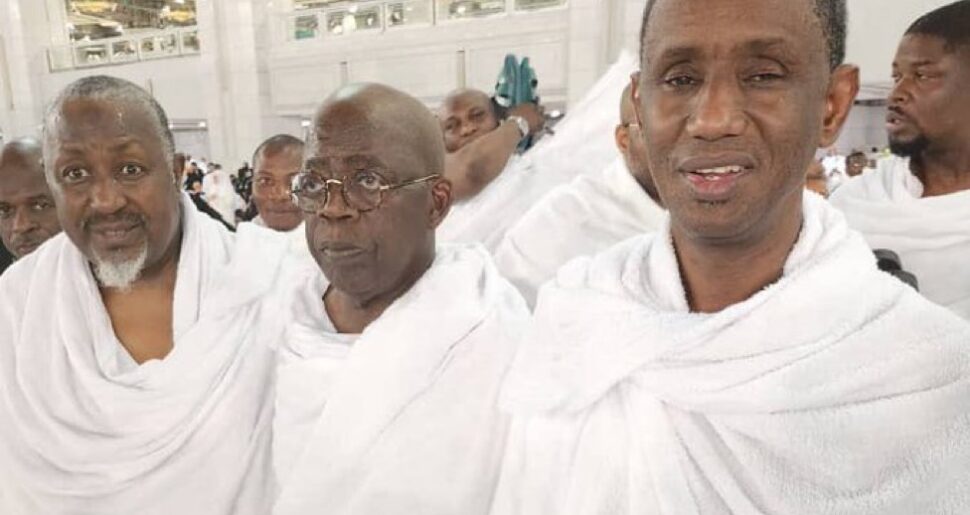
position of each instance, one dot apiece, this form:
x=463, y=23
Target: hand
x=533, y=113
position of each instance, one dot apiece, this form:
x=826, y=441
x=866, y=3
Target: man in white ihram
x=134, y=376
x=918, y=203
x=749, y=357
x=391, y=367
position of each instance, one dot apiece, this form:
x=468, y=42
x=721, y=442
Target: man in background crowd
x=28, y=216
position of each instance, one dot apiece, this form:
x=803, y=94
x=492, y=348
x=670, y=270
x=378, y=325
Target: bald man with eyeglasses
x=585, y=216
x=390, y=369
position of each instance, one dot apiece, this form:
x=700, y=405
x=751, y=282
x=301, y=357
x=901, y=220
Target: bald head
x=23, y=155
x=386, y=114
x=27, y=214
x=630, y=142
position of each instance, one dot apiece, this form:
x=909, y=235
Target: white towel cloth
x=836, y=390
x=406, y=416
x=86, y=431
x=931, y=235
x=581, y=218
x=485, y=217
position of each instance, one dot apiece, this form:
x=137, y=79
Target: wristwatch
x=521, y=123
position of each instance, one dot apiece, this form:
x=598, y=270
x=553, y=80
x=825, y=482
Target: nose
x=900, y=93
x=335, y=205
x=107, y=197
x=280, y=192
x=467, y=129
x=718, y=110
x=23, y=222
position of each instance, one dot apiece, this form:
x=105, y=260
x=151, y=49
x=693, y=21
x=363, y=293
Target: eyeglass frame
x=294, y=190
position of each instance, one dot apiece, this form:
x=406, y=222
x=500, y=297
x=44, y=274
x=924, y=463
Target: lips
x=26, y=247
x=896, y=119
x=715, y=177
x=115, y=234
x=340, y=251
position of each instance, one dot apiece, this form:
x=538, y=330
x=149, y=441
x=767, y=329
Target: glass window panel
x=89, y=20
x=523, y=5
x=456, y=9
x=354, y=19
x=306, y=26
x=91, y=55
x=123, y=51
x=159, y=46
x=190, y=42
x=409, y=13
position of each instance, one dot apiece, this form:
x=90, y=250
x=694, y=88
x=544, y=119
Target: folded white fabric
x=88, y=431
x=581, y=218
x=931, y=235
x=402, y=419
x=485, y=217
x=836, y=390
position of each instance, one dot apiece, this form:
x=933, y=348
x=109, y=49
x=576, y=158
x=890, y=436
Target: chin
x=908, y=147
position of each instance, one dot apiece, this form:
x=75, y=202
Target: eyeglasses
x=363, y=191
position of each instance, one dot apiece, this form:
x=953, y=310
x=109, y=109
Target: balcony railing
x=127, y=49
x=379, y=16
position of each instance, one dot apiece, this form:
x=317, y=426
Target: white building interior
x=231, y=72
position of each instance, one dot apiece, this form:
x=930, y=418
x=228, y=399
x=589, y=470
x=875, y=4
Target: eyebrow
x=759, y=46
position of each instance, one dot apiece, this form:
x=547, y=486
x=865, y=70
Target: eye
x=680, y=81
x=764, y=78
x=264, y=181
x=451, y=127
x=5, y=212
x=310, y=183
x=75, y=175
x=41, y=205
x=369, y=181
x=896, y=78
x=131, y=171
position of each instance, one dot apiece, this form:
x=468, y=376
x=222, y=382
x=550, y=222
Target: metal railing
x=126, y=49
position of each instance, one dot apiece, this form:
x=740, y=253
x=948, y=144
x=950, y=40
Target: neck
x=722, y=274
x=352, y=314
x=943, y=172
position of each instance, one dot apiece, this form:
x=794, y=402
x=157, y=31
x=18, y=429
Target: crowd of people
x=406, y=314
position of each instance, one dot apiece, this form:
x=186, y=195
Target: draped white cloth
x=836, y=390
x=87, y=431
x=485, y=217
x=931, y=234
x=581, y=218
x=402, y=419
x=583, y=145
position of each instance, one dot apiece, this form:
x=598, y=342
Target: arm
x=474, y=166
x=477, y=164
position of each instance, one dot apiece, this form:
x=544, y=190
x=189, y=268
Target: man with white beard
x=391, y=367
x=133, y=365
x=918, y=204
x=678, y=373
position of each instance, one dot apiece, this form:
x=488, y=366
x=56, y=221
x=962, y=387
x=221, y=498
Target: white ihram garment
x=836, y=390
x=87, y=431
x=931, y=235
x=402, y=419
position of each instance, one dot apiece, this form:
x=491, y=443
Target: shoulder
x=873, y=185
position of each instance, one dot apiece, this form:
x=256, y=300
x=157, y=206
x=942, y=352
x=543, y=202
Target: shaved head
x=23, y=155
x=27, y=214
x=396, y=116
